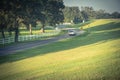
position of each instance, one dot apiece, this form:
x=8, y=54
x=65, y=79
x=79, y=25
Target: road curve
x=23, y=46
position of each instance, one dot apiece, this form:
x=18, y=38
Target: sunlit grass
x=101, y=22
x=94, y=56
x=34, y=32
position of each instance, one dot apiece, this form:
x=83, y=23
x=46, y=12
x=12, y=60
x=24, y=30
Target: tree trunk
x=30, y=28
x=3, y=34
x=16, y=31
x=42, y=29
x=2, y=26
x=16, y=34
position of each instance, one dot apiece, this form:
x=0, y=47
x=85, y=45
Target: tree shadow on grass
x=82, y=40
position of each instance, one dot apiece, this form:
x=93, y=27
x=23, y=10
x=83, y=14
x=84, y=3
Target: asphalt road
x=23, y=46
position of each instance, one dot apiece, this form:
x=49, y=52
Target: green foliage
x=115, y=15
x=28, y=12
x=54, y=14
x=72, y=13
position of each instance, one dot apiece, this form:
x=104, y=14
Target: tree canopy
x=13, y=12
x=72, y=13
x=86, y=13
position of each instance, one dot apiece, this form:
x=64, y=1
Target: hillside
x=93, y=56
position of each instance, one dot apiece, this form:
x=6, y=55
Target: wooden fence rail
x=29, y=37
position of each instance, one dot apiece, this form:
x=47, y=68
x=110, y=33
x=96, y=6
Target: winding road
x=23, y=46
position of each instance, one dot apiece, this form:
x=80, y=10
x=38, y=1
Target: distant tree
x=115, y=15
x=72, y=13
x=107, y=15
x=100, y=14
x=85, y=15
x=88, y=13
x=76, y=20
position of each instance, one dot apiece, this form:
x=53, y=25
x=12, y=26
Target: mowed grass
x=92, y=56
x=26, y=32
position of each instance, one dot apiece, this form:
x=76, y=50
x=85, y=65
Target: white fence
x=29, y=37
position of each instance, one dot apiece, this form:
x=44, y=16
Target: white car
x=71, y=33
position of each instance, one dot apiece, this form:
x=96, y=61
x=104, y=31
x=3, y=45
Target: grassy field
x=26, y=32
x=92, y=56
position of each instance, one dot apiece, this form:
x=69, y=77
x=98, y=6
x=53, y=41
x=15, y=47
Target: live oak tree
x=51, y=13
x=13, y=12
x=11, y=15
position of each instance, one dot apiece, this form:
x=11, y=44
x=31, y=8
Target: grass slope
x=93, y=56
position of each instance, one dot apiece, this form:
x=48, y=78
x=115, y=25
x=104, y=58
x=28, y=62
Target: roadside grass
x=80, y=24
x=93, y=56
x=32, y=40
x=26, y=32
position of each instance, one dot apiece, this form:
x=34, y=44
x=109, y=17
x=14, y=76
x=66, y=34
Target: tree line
x=13, y=13
x=29, y=12
x=75, y=15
